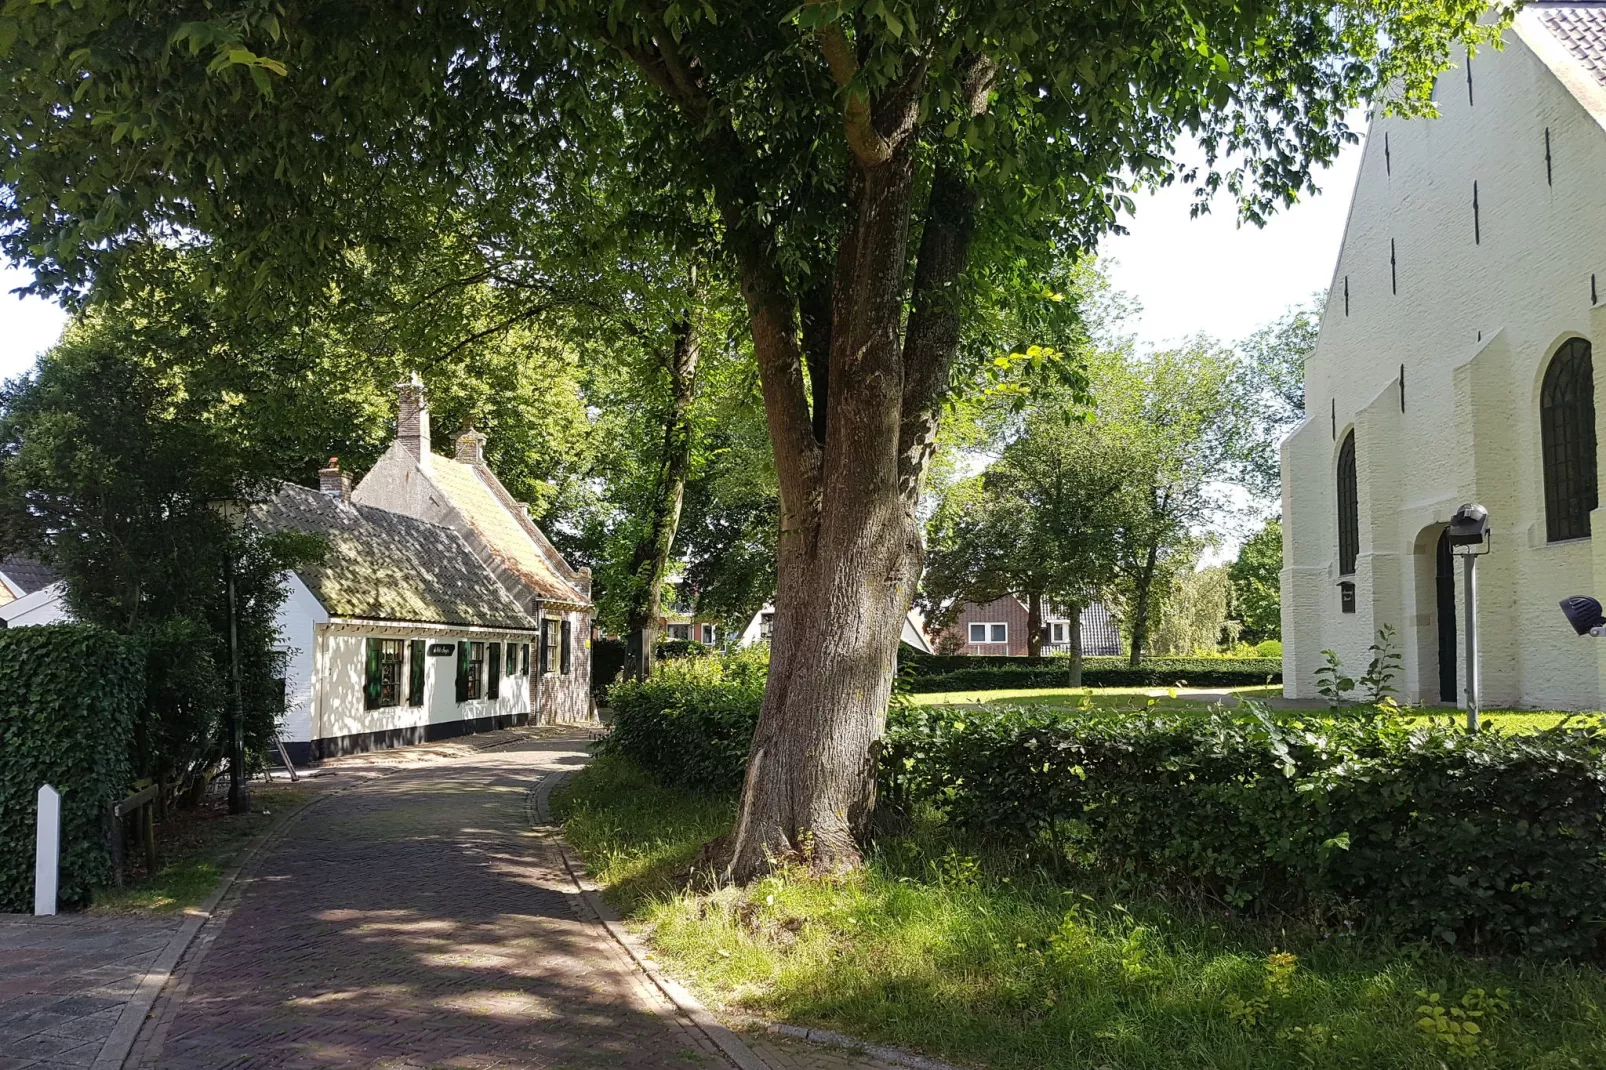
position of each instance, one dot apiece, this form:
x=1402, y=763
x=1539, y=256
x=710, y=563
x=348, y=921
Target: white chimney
x=412, y=417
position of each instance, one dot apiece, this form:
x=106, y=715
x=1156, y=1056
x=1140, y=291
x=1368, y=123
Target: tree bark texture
x=1142, y=590
x=649, y=562
x=850, y=552
x=1034, y=624
x=1073, y=635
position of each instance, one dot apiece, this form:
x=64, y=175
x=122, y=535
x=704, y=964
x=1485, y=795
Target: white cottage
x=1455, y=364
x=397, y=634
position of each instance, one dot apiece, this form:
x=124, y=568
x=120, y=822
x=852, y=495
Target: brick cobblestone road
x=415, y=922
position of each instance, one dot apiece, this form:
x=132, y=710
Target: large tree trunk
x=850, y=552
x=1034, y=624
x=1142, y=591
x=1073, y=636
x=649, y=563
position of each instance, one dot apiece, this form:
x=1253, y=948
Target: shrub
x=607, y=658
x=1490, y=841
x=930, y=673
x=69, y=697
x=690, y=723
x=680, y=648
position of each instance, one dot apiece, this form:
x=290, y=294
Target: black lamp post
x=1469, y=539
x=232, y=511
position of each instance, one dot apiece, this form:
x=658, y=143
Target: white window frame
x=987, y=630
x=707, y=634
x=1057, y=630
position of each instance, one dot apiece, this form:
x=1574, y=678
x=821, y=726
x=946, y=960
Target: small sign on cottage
x=442, y=650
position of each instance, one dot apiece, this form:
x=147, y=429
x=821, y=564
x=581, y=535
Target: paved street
x=64, y=981
x=415, y=922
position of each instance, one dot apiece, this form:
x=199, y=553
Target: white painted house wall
x=1474, y=323
x=298, y=621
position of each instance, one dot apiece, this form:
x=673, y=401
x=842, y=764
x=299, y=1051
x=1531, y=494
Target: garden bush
x=69, y=698
x=957, y=672
x=690, y=723
x=1494, y=842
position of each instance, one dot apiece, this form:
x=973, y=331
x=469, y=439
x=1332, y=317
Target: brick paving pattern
x=415, y=922
x=64, y=981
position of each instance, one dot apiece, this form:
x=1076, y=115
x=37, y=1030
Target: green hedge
x=1490, y=842
x=957, y=672
x=690, y=723
x=69, y=696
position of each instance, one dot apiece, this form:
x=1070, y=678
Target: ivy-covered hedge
x=927, y=673
x=1492, y=841
x=69, y=697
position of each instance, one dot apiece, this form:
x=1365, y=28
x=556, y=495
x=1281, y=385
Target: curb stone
x=677, y=994
x=136, y=1012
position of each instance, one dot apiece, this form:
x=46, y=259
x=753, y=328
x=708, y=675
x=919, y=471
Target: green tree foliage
x=1274, y=382
x=112, y=465
x=1194, y=613
x=1256, y=584
x=873, y=169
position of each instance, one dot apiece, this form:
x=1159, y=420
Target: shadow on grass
x=936, y=949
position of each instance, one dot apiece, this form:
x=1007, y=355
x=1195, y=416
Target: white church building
x=1454, y=365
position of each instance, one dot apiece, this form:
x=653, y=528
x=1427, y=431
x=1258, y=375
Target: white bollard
x=47, y=852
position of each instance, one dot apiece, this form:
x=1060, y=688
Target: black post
x=239, y=800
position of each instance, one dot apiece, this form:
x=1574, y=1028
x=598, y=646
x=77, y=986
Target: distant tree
x=1256, y=583
x=1274, y=384
x=1194, y=613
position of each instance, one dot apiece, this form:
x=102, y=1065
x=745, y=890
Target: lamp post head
x=1469, y=529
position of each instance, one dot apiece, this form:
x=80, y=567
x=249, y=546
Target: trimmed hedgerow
x=1491, y=841
x=69, y=696
x=690, y=723
x=930, y=673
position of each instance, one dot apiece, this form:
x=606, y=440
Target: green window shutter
x=416, y=653
x=526, y=659
x=370, y=687
x=493, y=671
x=462, y=672
x=565, y=661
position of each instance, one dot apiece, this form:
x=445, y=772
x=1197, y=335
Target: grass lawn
x=194, y=847
x=931, y=949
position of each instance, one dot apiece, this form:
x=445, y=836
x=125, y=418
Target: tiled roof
x=517, y=543
x=381, y=565
x=1581, y=29
x=28, y=574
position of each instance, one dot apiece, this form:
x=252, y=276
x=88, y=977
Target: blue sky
x=1189, y=275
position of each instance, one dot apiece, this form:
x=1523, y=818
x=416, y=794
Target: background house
x=463, y=494
x=1455, y=364
x=999, y=627
x=398, y=634
x=760, y=628
x=30, y=593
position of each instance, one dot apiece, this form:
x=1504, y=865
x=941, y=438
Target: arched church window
x=1349, y=511
x=1567, y=438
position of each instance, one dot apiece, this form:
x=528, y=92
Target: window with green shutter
x=545, y=665
x=493, y=670
x=525, y=659
x=383, y=672
x=415, y=672
x=565, y=652
x=476, y=670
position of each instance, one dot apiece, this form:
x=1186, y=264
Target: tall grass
x=940, y=947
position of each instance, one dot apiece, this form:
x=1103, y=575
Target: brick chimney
x=470, y=446
x=412, y=417
x=334, y=482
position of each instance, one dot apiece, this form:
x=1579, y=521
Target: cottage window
x=1349, y=511
x=565, y=652
x=1058, y=629
x=708, y=635
x=1567, y=433
x=474, y=673
x=989, y=633
x=493, y=672
x=545, y=665
x=680, y=631
x=415, y=672
x=382, y=686
x=766, y=626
